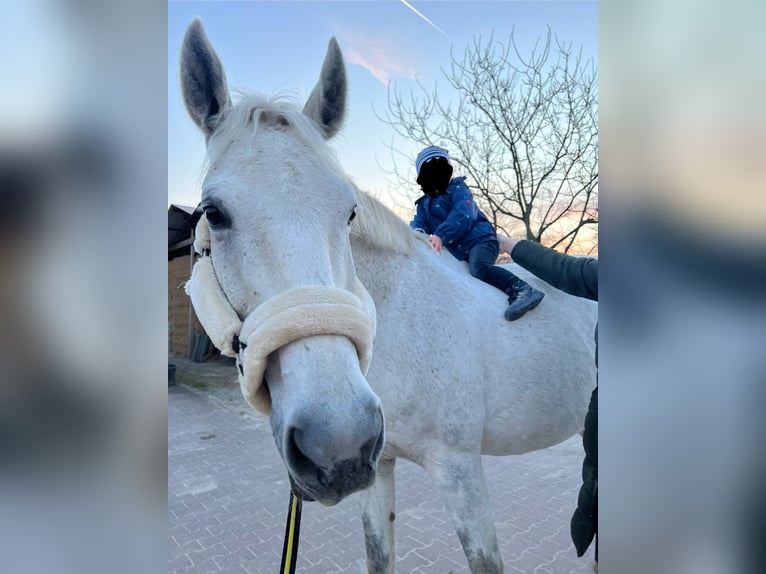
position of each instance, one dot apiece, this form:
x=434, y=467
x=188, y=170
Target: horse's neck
x=375, y=268
x=389, y=275
x=397, y=267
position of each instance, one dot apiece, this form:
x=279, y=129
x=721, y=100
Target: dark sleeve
x=420, y=222
x=574, y=275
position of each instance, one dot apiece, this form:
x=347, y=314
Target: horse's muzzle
x=328, y=469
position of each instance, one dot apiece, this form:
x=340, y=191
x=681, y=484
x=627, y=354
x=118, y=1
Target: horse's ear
x=327, y=102
x=203, y=80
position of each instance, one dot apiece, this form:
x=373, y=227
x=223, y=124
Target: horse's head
x=278, y=209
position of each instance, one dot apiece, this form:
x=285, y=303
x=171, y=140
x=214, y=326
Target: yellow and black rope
x=292, y=532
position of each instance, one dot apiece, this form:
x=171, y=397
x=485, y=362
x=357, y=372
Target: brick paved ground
x=228, y=495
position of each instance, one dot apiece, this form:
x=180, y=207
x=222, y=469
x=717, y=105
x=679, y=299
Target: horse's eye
x=353, y=215
x=214, y=217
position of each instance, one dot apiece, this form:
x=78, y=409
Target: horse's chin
x=341, y=484
x=301, y=491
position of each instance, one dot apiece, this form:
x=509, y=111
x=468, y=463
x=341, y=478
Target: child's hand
x=436, y=243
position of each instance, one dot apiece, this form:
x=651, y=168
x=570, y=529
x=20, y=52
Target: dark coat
x=455, y=218
x=576, y=276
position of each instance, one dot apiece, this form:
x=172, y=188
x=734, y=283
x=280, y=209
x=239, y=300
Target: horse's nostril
x=297, y=458
x=368, y=450
x=322, y=458
x=372, y=448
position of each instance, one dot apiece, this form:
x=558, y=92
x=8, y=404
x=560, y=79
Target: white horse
x=453, y=377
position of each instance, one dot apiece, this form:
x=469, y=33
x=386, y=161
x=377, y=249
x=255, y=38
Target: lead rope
x=292, y=534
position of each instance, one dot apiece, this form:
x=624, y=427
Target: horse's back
x=538, y=390
x=462, y=371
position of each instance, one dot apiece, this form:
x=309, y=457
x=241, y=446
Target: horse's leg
x=378, y=506
x=462, y=482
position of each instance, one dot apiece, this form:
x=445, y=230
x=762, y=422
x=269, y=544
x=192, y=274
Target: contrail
x=411, y=7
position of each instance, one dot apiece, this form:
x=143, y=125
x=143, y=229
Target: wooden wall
x=178, y=307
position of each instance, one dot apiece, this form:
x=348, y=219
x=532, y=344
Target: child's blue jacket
x=455, y=218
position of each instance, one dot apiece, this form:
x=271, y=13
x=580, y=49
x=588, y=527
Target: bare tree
x=524, y=130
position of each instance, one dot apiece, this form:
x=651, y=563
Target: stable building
x=186, y=337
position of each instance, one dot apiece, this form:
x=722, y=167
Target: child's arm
x=462, y=217
x=420, y=221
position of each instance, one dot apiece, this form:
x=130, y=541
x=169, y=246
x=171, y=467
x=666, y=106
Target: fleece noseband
x=291, y=315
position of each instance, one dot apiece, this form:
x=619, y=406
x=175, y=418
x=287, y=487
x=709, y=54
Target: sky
x=278, y=47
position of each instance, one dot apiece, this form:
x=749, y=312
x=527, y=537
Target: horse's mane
x=378, y=225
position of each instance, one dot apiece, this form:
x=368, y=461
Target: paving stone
x=228, y=498
x=412, y=561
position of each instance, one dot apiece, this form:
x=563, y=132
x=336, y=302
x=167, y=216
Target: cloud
x=381, y=58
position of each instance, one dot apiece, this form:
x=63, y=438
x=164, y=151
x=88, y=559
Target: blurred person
x=577, y=276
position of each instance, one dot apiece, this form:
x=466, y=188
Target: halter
x=289, y=316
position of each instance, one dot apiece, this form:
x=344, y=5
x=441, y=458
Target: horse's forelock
x=242, y=121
